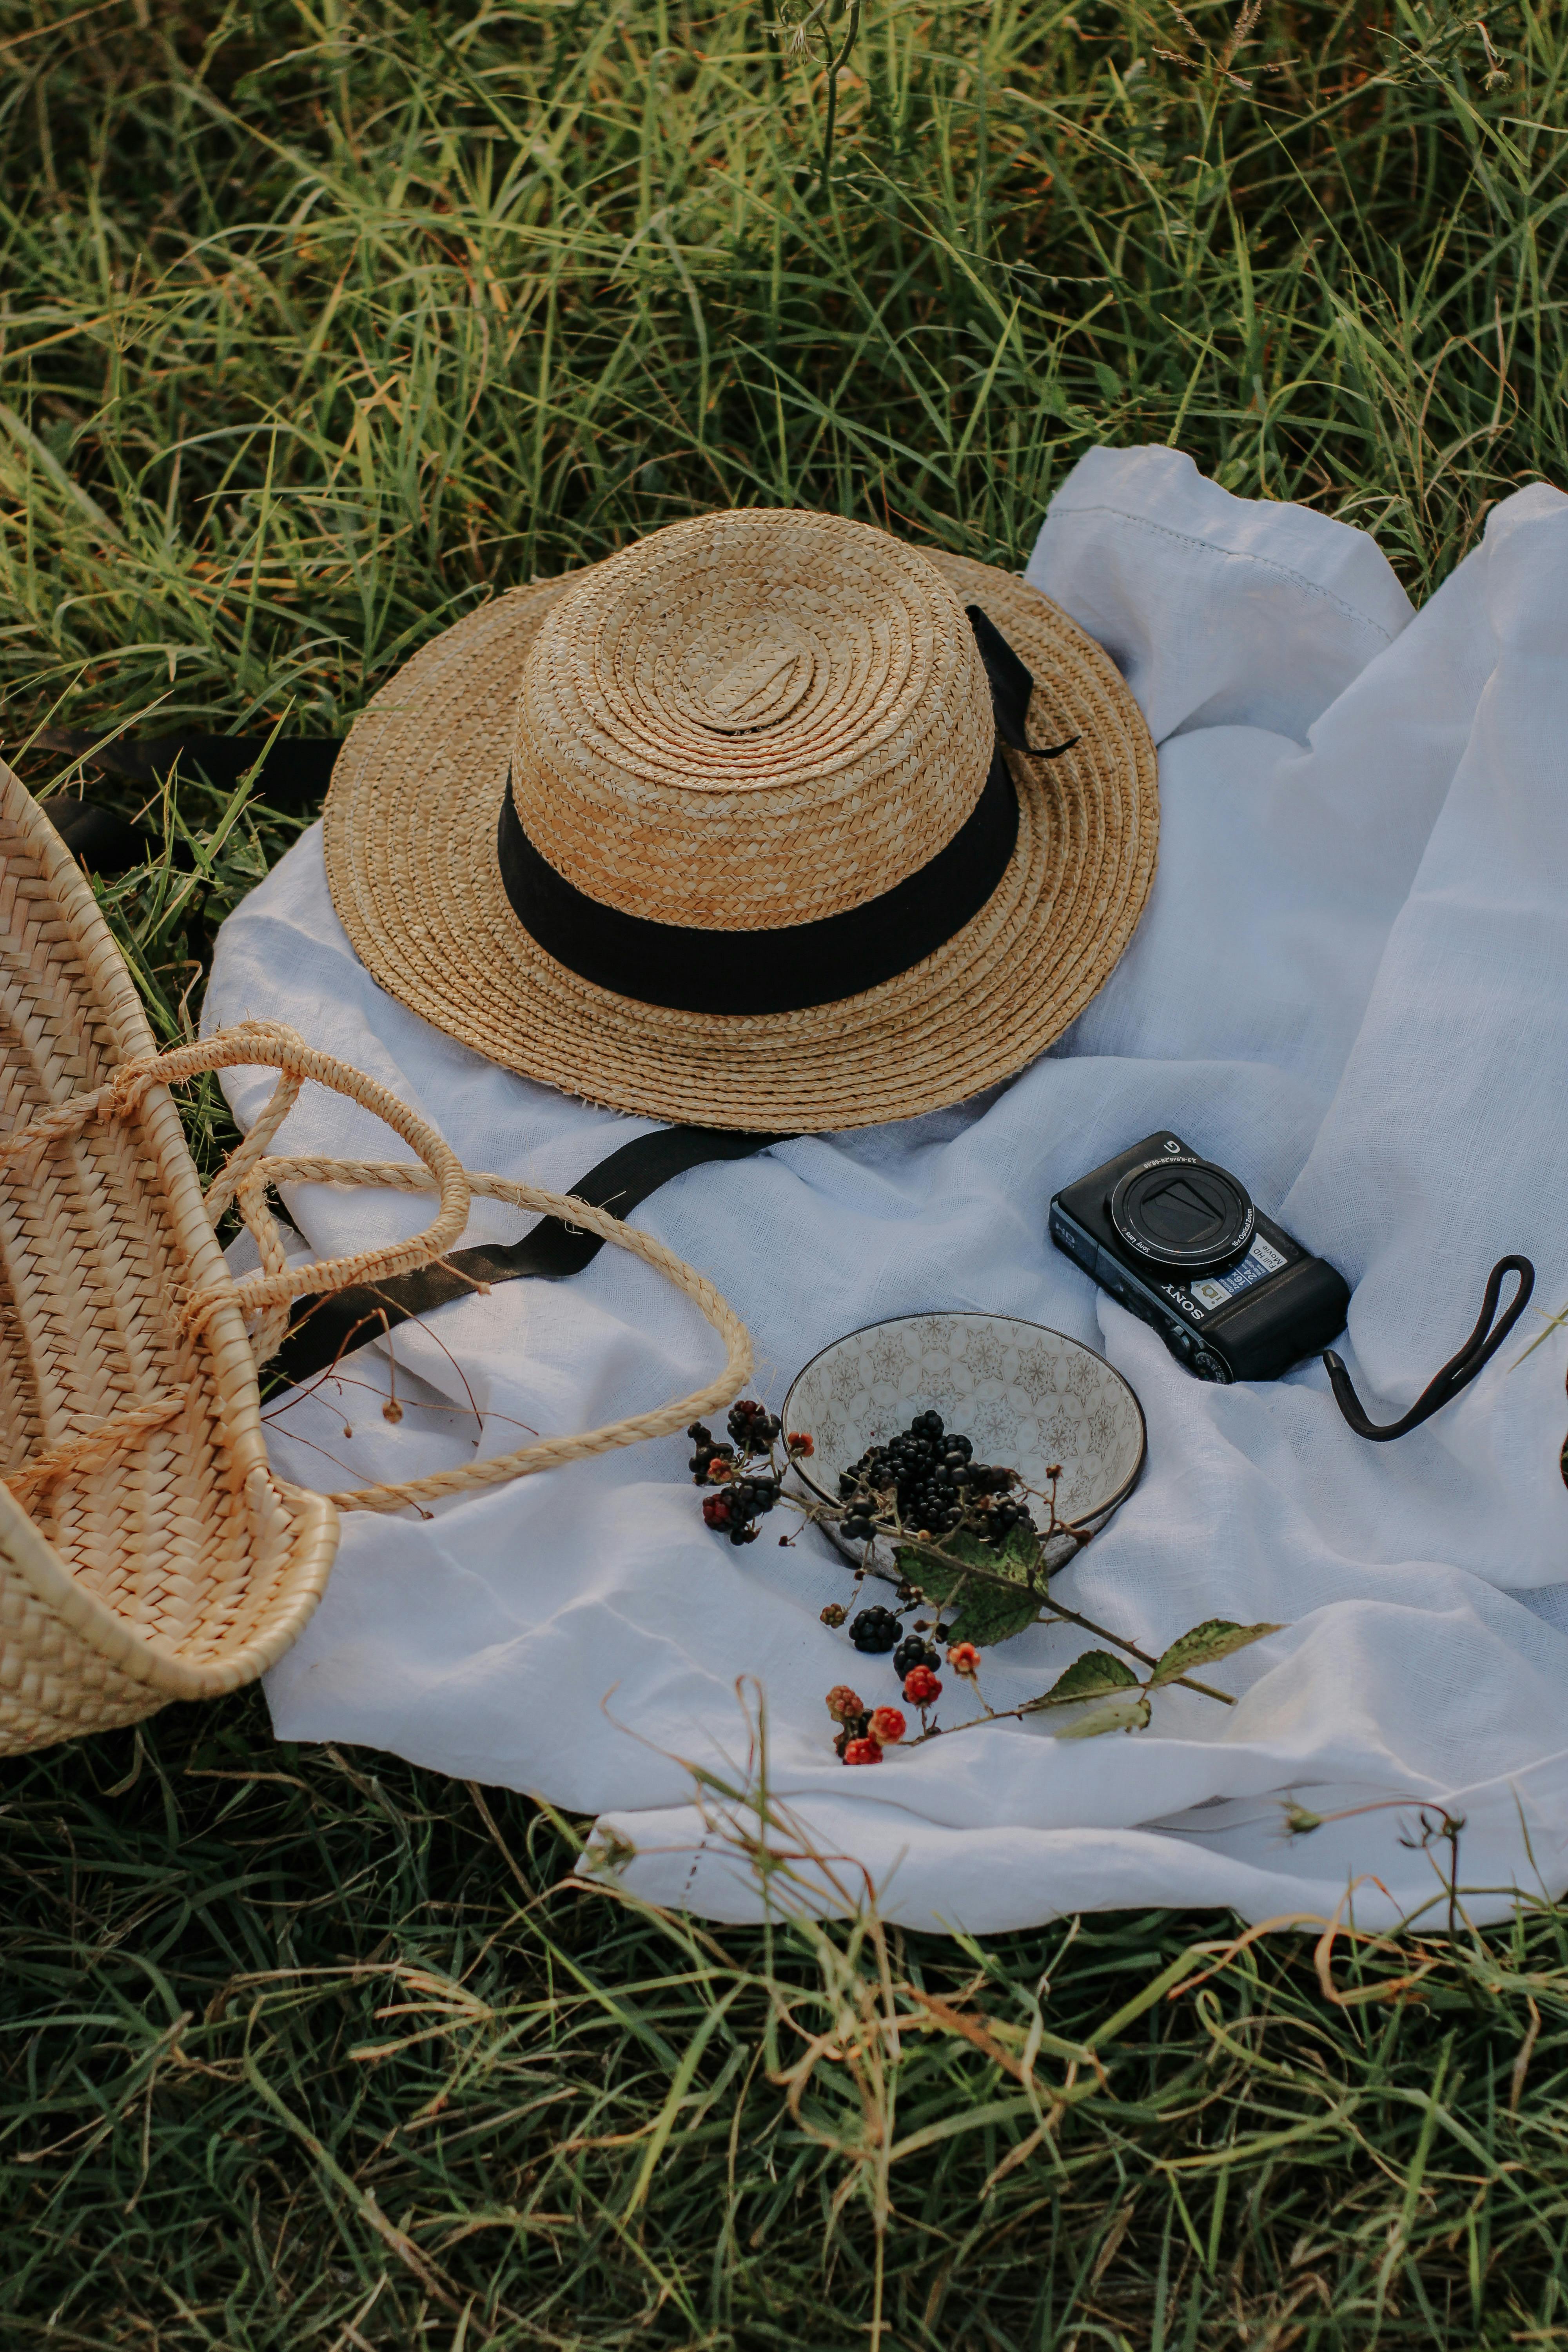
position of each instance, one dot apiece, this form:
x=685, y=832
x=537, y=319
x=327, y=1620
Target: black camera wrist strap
x=1459, y=1371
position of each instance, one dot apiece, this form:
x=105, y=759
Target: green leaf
x=992, y=1605
x=1020, y=1557
x=989, y=1611
x=938, y=1578
x=1094, y=1675
x=1216, y=1637
x=933, y=1578
x=1116, y=1715
x=1021, y=1552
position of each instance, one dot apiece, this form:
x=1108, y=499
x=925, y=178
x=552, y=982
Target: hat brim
x=410, y=830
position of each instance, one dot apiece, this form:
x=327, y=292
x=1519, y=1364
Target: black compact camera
x=1179, y=1242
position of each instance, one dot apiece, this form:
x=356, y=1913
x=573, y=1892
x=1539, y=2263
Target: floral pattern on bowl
x=1026, y=1395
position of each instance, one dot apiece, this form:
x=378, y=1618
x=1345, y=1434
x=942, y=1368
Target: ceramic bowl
x=1028, y=1396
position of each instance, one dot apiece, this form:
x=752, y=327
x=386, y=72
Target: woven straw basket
x=147, y=1552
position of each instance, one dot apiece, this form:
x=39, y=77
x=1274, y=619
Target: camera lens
x=1186, y=1213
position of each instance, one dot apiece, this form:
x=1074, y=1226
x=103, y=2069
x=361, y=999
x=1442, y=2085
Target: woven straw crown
x=750, y=720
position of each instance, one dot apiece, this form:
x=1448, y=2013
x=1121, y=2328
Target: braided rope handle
x=277, y=1283
x=264, y=1298
x=269, y=1043
x=550, y=1453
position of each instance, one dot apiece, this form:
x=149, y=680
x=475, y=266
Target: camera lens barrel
x=1183, y=1213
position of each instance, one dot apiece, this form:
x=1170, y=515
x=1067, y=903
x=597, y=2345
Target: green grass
x=318, y=325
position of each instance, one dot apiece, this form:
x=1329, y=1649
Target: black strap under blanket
x=294, y=772
x=323, y=1330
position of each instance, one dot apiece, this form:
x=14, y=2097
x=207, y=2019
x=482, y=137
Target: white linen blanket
x=1351, y=986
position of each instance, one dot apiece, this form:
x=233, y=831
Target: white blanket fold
x=1350, y=985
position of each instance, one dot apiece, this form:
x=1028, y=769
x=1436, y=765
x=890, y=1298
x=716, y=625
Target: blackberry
x=874, y=1630
x=752, y=1426
x=703, y=1459
x=928, y=1476
x=912, y=1651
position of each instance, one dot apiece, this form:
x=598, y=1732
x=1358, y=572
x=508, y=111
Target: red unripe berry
x=862, y=1751
x=719, y=1469
x=716, y=1511
x=842, y=1703
x=799, y=1442
x=888, y=1726
x=964, y=1658
x=922, y=1687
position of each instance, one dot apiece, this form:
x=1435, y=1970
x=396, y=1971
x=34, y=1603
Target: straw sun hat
x=735, y=828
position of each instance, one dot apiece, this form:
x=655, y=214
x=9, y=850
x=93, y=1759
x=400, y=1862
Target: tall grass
x=306, y=2048
x=321, y=323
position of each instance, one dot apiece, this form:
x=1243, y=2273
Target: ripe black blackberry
x=913, y=1652
x=704, y=1452
x=874, y=1630
x=752, y=1426
x=927, y=1477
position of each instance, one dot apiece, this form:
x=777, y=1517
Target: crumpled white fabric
x=1351, y=986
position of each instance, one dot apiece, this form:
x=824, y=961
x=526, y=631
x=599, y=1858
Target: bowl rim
x=1101, y=1511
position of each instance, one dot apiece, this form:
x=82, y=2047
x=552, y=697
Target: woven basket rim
x=144, y=1656
x=115, y=992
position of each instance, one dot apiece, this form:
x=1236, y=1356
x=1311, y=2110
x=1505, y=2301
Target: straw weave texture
x=146, y=1553
x=749, y=720
x=745, y=722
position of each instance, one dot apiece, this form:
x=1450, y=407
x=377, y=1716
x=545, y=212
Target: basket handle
x=545, y=1453
x=250, y=1171
x=267, y=1293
